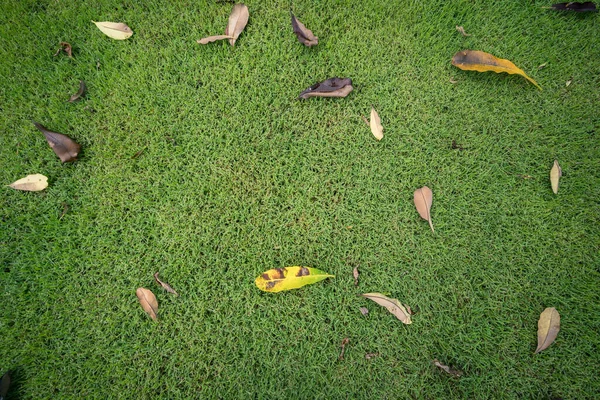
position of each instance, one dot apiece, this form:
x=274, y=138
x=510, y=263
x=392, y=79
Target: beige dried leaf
x=165, y=285
x=114, y=30
x=211, y=39
x=31, y=183
x=555, y=174
x=462, y=31
x=375, y=125
x=423, y=199
x=392, y=306
x=148, y=302
x=548, y=327
x=237, y=22
x=355, y=274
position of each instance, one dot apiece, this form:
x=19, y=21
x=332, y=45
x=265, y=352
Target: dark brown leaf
x=64, y=147
x=454, y=372
x=79, y=93
x=66, y=47
x=344, y=343
x=305, y=36
x=166, y=286
x=333, y=87
x=4, y=385
x=138, y=153
x=588, y=6
x=355, y=274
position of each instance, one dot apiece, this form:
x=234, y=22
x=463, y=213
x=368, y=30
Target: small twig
x=64, y=211
x=344, y=343
x=366, y=120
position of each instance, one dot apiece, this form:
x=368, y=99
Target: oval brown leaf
x=392, y=306
x=555, y=174
x=548, y=327
x=305, y=36
x=237, y=22
x=423, y=199
x=31, y=183
x=64, y=147
x=148, y=302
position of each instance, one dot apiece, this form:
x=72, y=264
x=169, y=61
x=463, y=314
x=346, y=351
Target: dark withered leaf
x=79, y=93
x=332, y=87
x=165, y=285
x=66, y=47
x=4, y=385
x=64, y=147
x=305, y=36
x=588, y=6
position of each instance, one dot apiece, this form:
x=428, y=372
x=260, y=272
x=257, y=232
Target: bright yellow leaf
x=278, y=279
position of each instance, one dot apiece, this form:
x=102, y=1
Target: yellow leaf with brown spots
x=279, y=279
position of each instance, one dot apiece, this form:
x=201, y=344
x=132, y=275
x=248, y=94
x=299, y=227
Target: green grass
x=238, y=177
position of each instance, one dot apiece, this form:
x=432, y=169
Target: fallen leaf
x=305, y=36
x=473, y=60
x=555, y=174
x=456, y=146
x=344, y=343
x=454, y=372
x=31, y=183
x=64, y=211
x=114, y=30
x=392, y=306
x=148, y=302
x=278, y=279
x=423, y=199
x=548, y=327
x=211, y=39
x=364, y=310
x=138, y=153
x=568, y=82
x=368, y=356
x=166, y=286
x=79, y=93
x=237, y=22
x=453, y=81
x=588, y=6
x=4, y=385
x=64, y=147
x=366, y=121
x=66, y=47
x=332, y=87
x=355, y=274
x=462, y=31
x=375, y=125
x=542, y=66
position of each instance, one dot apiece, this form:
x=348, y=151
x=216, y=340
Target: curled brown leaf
x=462, y=31
x=305, y=36
x=67, y=49
x=165, y=285
x=332, y=87
x=79, y=93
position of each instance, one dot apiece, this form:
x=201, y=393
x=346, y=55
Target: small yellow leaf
x=148, y=302
x=114, y=30
x=474, y=60
x=548, y=327
x=392, y=306
x=278, y=279
x=555, y=174
x=31, y=183
x=375, y=125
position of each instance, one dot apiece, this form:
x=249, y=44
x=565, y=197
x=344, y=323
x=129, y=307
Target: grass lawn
x=237, y=176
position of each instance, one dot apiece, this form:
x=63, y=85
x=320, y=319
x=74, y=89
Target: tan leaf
x=79, y=93
x=548, y=327
x=31, y=183
x=375, y=125
x=454, y=372
x=237, y=22
x=148, y=302
x=114, y=30
x=392, y=306
x=165, y=285
x=364, y=310
x=555, y=174
x=305, y=36
x=355, y=274
x=64, y=147
x=211, y=39
x=423, y=200
x=462, y=31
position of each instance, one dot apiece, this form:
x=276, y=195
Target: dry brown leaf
x=165, y=285
x=462, y=31
x=555, y=174
x=31, y=183
x=392, y=306
x=375, y=125
x=364, y=310
x=332, y=87
x=344, y=343
x=211, y=39
x=64, y=147
x=148, y=302
x=114, y=30
x=79, y=93
x=474, y=60
x=548, y=327
x=305, y=36
x=355, y=274
x=454, y=372
x=423, y=199
x=237, y=22
x=64, y=211
x=66, y=47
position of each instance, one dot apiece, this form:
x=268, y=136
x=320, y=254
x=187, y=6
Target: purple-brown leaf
x=165, y=285
x=333, y=87
x=64, y=147
x=305, y=36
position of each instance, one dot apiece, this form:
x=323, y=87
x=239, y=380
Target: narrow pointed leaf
x=4, y=385
x=278, y=279
x=79, y=93
x=165, y=285
x=211, y=39
x=423, y=199
x=114, y=30
x=473, y=60
x=548, y=327
x=237, y=22
x=332, y=87
x=305, y=36
x=64, y=147
x=375, y=125
x=31, y=183
x=575, y=6
x=555, y=174
x=392, y=306
x=148, y=302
